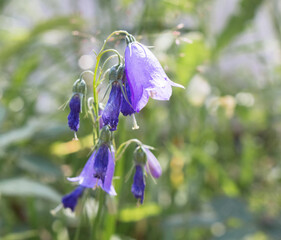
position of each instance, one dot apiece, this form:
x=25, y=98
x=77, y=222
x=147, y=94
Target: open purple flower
x=75, y=108
x=146, y=76
x=70, y=200
x=89, y=178
x=139, y=183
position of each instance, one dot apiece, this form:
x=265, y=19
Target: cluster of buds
x=132, y=83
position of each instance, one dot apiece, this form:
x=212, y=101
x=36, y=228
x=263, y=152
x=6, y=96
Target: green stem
x=113, y=33
x=99, y=213
x=96, y=79
x=77, y=233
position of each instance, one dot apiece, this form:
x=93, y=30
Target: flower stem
x=99, y=214
x=77, y=233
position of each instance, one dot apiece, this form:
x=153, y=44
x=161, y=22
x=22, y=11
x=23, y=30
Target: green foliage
x=237, y=23
x=218, y=141
x=24, y=187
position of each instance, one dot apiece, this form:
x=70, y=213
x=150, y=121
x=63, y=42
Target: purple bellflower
x=89, y=178
x=144, y=160
x=138, y=184
x=146, y=76
x=75, y=108
x=79, y=90
x=70, y=200
x=99, y=169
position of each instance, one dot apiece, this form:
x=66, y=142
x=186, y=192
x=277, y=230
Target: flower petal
x=112, y=109
x=73, y=117
x=154, y=167
x=146, y=76
x=86, y=177
x=107, y=186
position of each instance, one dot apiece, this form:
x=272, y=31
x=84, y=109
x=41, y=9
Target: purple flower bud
x=70, y=200
x=126, y=108
x=153, y=167
x=145, y=76
x=138, y=184
x=87, y=179
x=73, y=117
x=111, y=111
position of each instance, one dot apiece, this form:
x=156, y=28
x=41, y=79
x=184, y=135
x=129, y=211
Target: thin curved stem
x=112, y=50
x=103, y=66
x=87, y=71
x=113, y=33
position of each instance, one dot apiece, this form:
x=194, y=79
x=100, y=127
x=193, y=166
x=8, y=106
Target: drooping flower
x=145, y=76
x=138, y=184
x=110, y=115
x=111, y=111
x=126, y=106
x=144, y=159
x=70, y=200
x=79, y=91
x=99, y=169
x=75, y=108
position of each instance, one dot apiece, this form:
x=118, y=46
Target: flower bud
x=120, y=72
x=140, y=156
x=129, y=39
x=113, y=73
x=105, y=135
x=80, y=86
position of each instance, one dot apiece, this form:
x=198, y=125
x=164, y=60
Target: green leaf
x=237, y=23
x=21, y=235
x=23, y=187
x=39, y=165
x=13, y=48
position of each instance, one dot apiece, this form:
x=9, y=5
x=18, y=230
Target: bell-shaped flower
x=75, y=104
x=104, y=163
x=145, y=76
x=144, y=160
x=138, y=185
x=70, y=200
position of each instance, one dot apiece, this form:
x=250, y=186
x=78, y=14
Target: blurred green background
x=218, y=141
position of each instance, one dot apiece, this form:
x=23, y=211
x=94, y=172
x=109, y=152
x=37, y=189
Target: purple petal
x=153, y=165
x=146, y=76
x=138, y=185
x=86, y=177
x=107, y=186
x=126, y=108
x=70, y=200
x=73, y=117
x=112, y=109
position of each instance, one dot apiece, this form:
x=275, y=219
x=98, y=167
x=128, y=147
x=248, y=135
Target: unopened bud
x=113, y=73
x=105, y=135
x=139, y=156
x=120, y=72
x=80, y=86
